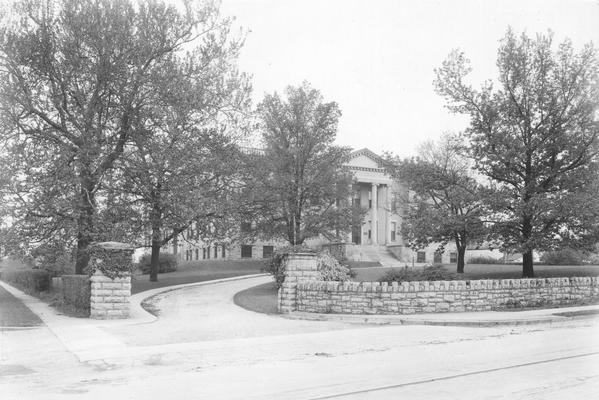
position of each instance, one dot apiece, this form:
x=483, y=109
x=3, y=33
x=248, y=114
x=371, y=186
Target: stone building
x=377, y=238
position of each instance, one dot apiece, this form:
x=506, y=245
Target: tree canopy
x=80, y=82
x=533, y=134
x=446, y=205
x=301, y=189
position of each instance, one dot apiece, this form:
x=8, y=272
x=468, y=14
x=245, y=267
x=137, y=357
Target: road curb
x=535, y=317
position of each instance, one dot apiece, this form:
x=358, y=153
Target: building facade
x=377, y=238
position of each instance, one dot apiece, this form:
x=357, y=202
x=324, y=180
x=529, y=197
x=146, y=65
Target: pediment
x=363, y=158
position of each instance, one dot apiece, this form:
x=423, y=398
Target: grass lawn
x=261, y=298
x=494, y=271
x=197, y=271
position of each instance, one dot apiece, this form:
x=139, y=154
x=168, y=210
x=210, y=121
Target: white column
x=388, y=215
x=374, y=227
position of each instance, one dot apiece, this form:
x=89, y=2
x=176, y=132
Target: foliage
x=535, y=138
x=54, y=258
x=276, y=265
x=78, y=80
x=563, y=257
x=299, y=187
x=29, y=280
x=184, y=176
x=76, y=292
x=167, y=263
x=111, y=259
x=331, y=270
x=406, y=274
x=447, y=201
x=484, y=260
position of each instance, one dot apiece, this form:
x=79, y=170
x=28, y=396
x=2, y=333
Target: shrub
x=562, y=257
x=76, y=292
x=56, y=258
x=276, y=265
x=330, y=269
x=406, y=274
x=485, y=260
x=166, y=263
x=327, y=265
x=28, y=280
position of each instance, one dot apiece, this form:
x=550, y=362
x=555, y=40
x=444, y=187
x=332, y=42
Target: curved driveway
x=207, y=312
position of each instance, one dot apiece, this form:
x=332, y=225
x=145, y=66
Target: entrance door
x=356, y=234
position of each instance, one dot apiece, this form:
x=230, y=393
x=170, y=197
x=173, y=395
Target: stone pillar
x=374, y=228
x=111, y=280
x=298, y=267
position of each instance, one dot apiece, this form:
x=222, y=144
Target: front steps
x=373, y=253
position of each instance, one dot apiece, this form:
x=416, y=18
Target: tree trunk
x=527, y=266
x=155, y=259
x=527, y=269
x=461, y=262
x=84, y=225
x=156, y=243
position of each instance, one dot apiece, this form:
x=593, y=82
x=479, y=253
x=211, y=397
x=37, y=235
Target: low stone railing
x=441, y=296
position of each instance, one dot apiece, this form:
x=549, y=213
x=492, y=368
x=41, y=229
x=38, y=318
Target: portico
x=374, y=191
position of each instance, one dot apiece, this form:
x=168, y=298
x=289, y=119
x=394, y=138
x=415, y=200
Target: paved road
x=14, y=314
x=205, y=347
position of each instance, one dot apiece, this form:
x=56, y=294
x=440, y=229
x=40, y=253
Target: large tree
x=446, y=205
x=300, y=187
x=76, y=80
x=533, y=133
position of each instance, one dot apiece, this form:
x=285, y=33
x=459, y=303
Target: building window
x=203, y=253
x=438, y=258
x=246, y=251
x=453, y=257
x=369, y=234
x=267, y=251
x=215, y=251
x=197, y=254
x=421, y=257
x=223, y=252
x=208, y=252
x=393, y=229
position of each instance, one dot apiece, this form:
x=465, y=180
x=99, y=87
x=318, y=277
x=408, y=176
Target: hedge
x=29, y=280
x=166, y=263
x=76, y=292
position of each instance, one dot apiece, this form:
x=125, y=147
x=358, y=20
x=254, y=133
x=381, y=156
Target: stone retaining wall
x=441, y=296
x=109, y=297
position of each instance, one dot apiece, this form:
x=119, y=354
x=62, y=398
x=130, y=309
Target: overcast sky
x=376, y=58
